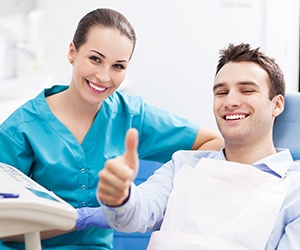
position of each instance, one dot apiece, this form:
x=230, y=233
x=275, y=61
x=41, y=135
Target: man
x=244, y=197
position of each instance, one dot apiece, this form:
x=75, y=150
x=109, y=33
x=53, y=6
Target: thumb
x=131, y=155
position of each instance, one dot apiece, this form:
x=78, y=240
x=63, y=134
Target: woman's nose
x=103, y=73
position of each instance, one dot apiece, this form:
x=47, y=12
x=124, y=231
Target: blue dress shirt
x=144, y=211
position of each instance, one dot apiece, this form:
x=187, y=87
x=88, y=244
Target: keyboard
x=16, y=175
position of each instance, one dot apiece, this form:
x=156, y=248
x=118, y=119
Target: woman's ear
x=278, y=102
x=71, y=52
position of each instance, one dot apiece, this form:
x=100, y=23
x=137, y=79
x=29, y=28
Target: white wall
x=178, y=41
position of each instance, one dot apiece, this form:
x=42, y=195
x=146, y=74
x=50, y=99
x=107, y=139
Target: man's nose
x=233, y=99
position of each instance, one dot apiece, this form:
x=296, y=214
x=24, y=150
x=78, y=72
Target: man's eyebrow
x=243, y=83
x=218, y=85
x=100, y=54
x=251, y=83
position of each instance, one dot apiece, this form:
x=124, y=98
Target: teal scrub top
x=33, y=140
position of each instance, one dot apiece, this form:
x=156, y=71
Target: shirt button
x=82, y=170
x=83, y=204
x=83, y=187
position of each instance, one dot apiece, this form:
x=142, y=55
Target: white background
x=176, y=53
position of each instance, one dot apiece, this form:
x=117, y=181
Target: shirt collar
x=278, y=163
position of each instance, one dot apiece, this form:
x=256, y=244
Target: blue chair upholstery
x=286, y=133
x=136, y=241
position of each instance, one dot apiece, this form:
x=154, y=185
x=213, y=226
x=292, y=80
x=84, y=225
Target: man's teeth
x=234, y=117
x=96, y=87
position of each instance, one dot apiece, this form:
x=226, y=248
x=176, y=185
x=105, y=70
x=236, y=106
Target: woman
x=62, y=137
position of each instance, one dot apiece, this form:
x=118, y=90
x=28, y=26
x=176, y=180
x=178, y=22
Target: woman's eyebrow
x=100, y=54
x=103, y=56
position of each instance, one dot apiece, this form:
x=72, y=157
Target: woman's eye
x=95, y=59
x=119, y=66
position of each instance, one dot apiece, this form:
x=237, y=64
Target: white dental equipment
x=28, y=208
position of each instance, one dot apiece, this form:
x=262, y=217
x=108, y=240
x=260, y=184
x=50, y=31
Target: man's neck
x=248, y=154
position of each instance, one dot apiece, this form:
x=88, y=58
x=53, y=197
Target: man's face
x=242, y=108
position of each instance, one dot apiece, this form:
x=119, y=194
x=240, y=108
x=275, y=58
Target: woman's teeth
x=96, y=87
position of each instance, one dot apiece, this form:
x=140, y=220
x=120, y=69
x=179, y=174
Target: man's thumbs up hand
x=131, y=156
x=118, y=173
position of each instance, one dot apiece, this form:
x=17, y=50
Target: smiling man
x=245, y=196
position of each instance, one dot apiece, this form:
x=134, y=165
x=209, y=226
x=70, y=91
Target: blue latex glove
x=90, y=217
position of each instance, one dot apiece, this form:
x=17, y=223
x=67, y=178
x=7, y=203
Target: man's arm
x=290, y=239
x=131, y=208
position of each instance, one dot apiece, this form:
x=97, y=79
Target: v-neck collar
x=59, y=127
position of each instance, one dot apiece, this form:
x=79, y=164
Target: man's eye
x=220, y=93
x=248, y=91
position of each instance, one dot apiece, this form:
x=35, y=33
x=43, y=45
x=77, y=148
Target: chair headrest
x=286, y=132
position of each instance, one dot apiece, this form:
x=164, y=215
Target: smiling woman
x=70, y=131
x=102, y=69
x=63, y=137
x=99, y=67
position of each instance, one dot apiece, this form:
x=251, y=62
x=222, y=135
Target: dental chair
x=136, y=241
x=286, y=132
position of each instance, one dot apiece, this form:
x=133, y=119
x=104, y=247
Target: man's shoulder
x=294, y=168
x=198, y=153
x=294, y=175
x=191, y=157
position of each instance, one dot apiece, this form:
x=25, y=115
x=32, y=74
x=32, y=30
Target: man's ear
x=278, y=105
x=71, y=52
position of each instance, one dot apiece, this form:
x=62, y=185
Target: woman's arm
x=208, y=139
x=87, y=217
x=44, y=235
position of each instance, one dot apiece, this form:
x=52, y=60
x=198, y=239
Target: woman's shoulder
x=120, y=102
x=27, y=112
x=123, y=97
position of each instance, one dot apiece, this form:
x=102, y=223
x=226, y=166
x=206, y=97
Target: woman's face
x=100, y=65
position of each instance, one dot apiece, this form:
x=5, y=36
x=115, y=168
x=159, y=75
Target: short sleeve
x=164, y=133
x=14, y=154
